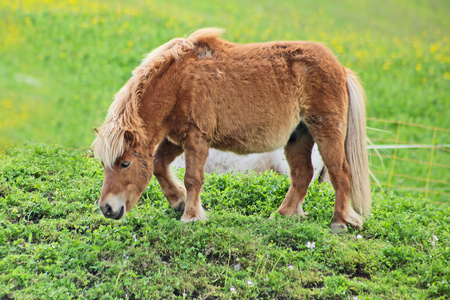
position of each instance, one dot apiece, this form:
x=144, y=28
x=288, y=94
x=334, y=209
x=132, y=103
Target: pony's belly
x=266, y=136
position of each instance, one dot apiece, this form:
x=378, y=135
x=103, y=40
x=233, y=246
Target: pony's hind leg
x=330, y=137
x=298, y=155
x=172, y=188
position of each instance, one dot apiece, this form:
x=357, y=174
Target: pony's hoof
x=303, y=214
x=180, y=207
x=338, y=228
x=287, y=212
x=188, y=220
x=194, y=219
x=200, y=215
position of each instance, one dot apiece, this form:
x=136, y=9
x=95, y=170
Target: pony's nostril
x=108, y=210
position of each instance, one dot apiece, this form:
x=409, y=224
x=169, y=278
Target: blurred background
x=61, y=62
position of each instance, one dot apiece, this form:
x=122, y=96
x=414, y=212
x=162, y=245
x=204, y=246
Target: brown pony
x=192, y=94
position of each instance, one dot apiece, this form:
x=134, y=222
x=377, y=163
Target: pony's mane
x=123, y=118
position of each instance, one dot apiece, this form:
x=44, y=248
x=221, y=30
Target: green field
x=62, y=61
x=55, y=244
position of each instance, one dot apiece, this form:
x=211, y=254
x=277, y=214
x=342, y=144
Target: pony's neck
x=156, y=107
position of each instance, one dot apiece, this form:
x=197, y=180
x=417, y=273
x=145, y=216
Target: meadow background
x=61, y=62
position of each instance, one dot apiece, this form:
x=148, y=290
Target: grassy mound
x=54, y=242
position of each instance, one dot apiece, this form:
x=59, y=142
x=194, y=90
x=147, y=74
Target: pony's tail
x=356, y=147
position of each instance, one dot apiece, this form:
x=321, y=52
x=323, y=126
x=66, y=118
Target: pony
x=202, y=92
x=222, y=162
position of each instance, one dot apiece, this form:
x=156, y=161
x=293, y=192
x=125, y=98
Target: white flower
x=267, y=278
x=435, y=238
x=310, y=245
x=249, y=283
x=151, y=217
x=433, y=243
x=359, y=237
x=233, y=290
x=237, y=267
x=135, y=239
x=291, y=267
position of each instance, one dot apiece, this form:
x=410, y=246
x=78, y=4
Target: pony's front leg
x=196, y=152
x=172, y=188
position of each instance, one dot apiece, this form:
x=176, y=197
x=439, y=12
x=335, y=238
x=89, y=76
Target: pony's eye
x=124, y=164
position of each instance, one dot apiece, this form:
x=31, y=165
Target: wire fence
x=402, y=165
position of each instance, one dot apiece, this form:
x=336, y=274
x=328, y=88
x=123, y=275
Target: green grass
x=61, y=62
x=54, y=242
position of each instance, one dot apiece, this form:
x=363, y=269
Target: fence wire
x=407, y=167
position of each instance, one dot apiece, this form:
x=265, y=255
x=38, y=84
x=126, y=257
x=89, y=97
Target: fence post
x=394, y=157
x=430, y=166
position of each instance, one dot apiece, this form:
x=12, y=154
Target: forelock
x=109, y=145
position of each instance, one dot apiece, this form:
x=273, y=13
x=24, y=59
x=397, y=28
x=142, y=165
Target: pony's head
x=128, y=168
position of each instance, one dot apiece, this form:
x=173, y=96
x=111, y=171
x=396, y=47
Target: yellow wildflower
x=418, y=67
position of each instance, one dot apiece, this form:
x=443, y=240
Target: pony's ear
x=130, y=138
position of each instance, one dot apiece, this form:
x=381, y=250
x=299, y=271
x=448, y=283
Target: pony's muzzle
x=113, y=208
x=110, y=214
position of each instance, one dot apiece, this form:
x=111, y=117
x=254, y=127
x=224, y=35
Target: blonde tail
x=356, y=147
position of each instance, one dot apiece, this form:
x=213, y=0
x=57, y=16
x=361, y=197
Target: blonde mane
x=123, y=114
